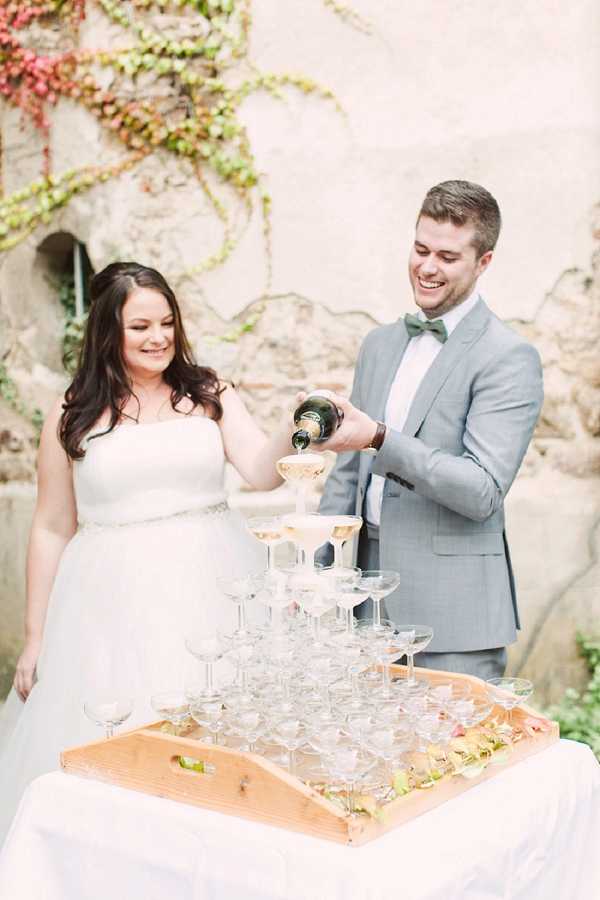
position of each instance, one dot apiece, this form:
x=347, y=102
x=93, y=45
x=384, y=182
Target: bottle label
x=311, y=425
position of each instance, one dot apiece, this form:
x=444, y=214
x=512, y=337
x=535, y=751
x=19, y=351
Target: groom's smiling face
x=443, y=265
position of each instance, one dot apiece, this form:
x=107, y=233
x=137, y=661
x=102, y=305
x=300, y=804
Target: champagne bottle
x=316, y=419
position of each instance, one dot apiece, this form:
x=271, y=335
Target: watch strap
x=378, y=437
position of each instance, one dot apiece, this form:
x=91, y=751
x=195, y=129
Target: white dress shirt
x=418, y=357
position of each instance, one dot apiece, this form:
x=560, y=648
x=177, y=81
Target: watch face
x=370, y=450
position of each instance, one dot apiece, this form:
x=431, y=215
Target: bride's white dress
x=136, y=579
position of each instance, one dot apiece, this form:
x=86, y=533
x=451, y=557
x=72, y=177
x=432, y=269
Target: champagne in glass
x=269, y=531
x=345, y=527
x=308, y=531
x=299, y=469
x=317, y=418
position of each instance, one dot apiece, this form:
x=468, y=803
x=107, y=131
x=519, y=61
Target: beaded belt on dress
x=186, y=513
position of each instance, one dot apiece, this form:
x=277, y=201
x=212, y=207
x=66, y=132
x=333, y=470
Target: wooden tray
x=248, y=785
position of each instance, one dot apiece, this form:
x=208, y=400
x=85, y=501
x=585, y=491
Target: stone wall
x=554, y=507
x=432, y=92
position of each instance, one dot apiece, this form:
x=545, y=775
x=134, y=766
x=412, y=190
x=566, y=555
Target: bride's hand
x=25, y=672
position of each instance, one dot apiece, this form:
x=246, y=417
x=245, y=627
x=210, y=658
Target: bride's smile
x=148, y=332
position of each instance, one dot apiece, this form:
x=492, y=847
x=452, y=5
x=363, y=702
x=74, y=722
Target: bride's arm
x=54, y=523
x=247, y=447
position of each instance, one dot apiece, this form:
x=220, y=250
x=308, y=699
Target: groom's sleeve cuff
x=392, y=458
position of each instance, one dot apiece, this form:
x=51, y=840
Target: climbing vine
x=10, y=394
x=205, y=67
x=349, y=15
x=74, y=325
x=173, y=85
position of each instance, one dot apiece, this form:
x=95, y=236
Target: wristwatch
x=378, y=439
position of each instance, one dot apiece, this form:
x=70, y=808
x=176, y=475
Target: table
x=531, y=833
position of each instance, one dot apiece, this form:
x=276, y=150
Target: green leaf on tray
x=400, y=783
x=193, y=765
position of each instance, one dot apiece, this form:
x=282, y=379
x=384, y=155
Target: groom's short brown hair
x=465, y=203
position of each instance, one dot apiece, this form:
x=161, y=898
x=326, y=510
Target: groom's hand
x=356, y=431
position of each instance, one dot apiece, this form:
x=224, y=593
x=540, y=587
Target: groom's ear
x=484, y=261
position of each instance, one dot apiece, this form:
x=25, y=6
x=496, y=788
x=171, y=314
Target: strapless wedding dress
x=139, y=576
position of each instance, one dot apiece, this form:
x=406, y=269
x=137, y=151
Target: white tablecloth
x=530, y=833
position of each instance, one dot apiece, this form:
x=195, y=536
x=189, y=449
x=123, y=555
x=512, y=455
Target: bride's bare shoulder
x=54, y=414
x=226, y=386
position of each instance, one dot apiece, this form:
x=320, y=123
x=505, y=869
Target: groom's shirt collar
x=456, y=314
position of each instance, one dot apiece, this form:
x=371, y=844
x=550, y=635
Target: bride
x=131, y=526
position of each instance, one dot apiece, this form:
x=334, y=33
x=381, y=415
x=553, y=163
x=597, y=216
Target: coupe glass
x=356, y=660
x=344, y=528
x=325, y=737
x=470, y=711
x=291, y=733
x=251, y=724
x=350, y=765
x=315, y=599
x=390, y=645
x=348, y=595
x=423, y=635
x=509, y=693
x=442, y=696
x=209, y=649
x=333, y=578
x=211, y=715
x=108, y=711
x=414, y=705
x=308, y=531
x=280, y=652
x=388, y=741
x=243, y=653
x=434, y=728
x=239, y=591
x=273, y=592
x=324, y=671
x=380, y=583
x=359, y=724
x=269, y=531
x=173, y=706
x=369, y=638
x=299, y=470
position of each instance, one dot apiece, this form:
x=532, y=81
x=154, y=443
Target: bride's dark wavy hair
x=101, y=380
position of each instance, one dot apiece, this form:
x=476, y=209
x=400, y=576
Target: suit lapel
x=462, y=338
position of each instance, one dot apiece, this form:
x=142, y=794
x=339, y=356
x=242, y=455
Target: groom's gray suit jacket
x=446, y=475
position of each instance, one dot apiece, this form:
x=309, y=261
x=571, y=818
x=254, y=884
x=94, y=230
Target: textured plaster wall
x=505, y=94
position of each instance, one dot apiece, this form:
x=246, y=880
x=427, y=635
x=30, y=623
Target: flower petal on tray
x=532, y=724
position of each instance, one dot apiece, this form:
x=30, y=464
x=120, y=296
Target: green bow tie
x=415, y=327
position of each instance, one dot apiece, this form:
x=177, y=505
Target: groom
x=444, y=403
